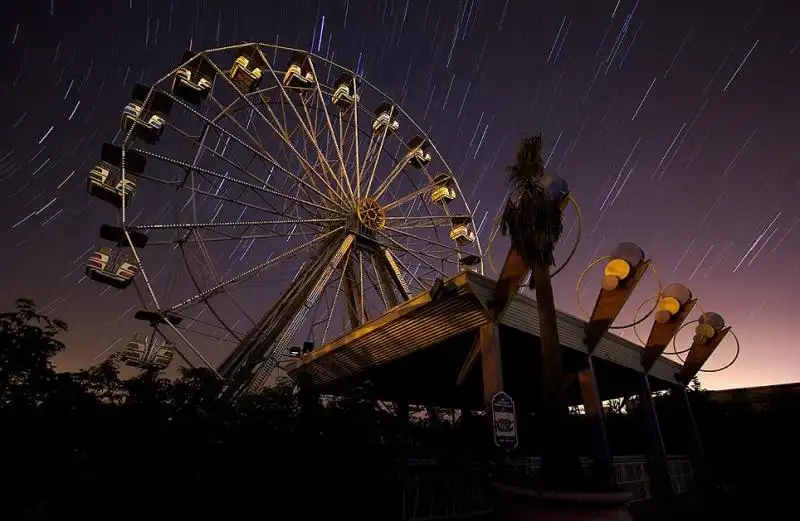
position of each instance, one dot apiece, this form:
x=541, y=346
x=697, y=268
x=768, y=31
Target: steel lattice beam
x=276, y=328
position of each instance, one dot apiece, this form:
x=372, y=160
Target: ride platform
x=425, y=351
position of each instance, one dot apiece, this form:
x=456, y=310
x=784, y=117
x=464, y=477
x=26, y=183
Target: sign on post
x=504, y=421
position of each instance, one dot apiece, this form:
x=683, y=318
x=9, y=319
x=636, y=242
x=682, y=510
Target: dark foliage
x=90, y=445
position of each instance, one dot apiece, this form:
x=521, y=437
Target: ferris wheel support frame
x=280, y=323
x=357, y=312
x=352, y=290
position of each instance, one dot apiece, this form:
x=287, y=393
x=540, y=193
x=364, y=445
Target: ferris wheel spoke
x=332, y=134
x=355, y=109
x=225, y=337
x=221, y=339
x=412, y=253
x=324, y=156
x=396, y=171
x=437, y=220
x=194, y=350
x=244, y=169
x=188, y=226
x=374, y=151
x=207, y=301
x=422, y=226
x=209, y=263
x=303, y=143
x=254, y=271
x=234, y=180
x=423, y=239
x=269, y=109
x=235, y=200
x=264, y=101
x=265, y=156
x=239, y=202
x=284, y=134
x=430, y=222
x=433, y=255
x=229, y=237
x=307, y=167
x=409, y=197
x=300, y=120
x=343, y=127
x=196, y=319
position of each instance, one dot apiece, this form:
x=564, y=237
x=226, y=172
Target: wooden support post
x=511, y=276
x=469, y=362
x=603, y=474
x=491, y=361
x=661, y=483
x=492, y=370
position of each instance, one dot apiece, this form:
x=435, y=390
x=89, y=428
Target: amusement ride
x=263, y=201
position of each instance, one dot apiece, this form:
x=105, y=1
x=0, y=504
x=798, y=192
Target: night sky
x=675, y=124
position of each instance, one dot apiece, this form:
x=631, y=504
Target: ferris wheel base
x=248, y=367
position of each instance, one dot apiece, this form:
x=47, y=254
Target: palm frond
x=530, y=217
x=528, y=169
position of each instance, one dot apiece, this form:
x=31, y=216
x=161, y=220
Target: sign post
x=504, y=421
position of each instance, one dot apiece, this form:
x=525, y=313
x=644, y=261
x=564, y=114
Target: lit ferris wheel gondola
x=273, y=208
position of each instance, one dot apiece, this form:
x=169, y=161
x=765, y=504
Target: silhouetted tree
x=27, y=345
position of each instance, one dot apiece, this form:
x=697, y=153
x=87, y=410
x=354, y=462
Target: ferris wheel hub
x=370, y=214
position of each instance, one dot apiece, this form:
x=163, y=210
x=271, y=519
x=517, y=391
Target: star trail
x=674, y=124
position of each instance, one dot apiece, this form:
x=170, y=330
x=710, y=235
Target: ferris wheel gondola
x=277, y=210
x=149, y=353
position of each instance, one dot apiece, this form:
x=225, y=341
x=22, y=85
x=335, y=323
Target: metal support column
x=255, y=356
x=661, y=484
x=695, y=442
x=603, y=474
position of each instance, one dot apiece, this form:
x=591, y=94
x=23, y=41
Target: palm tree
x=534, y=223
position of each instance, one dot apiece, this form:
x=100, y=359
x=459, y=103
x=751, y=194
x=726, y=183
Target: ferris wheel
x=267, y=198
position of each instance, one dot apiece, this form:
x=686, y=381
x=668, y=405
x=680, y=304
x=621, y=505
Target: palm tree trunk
x=560, y=464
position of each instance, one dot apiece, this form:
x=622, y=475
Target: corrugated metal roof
x=410, y=327
x=522, y=314
x=421, y=322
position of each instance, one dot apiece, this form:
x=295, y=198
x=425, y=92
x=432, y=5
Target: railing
x=632, y=472
x=432, y=491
